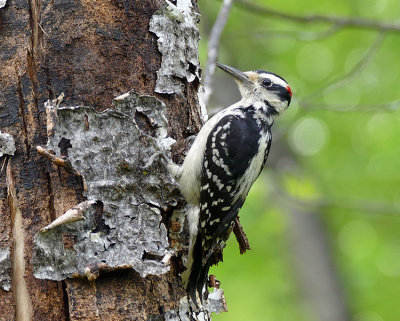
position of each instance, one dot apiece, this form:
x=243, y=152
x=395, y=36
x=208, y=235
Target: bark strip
x=23, y=304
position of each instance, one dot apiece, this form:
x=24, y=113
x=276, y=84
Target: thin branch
x=308, y=103
x=298, y=35
x=348, y=204
x=3, y=166
x=344, y=79
x=361, y=205
x=390, y=106
x=60, y=162
x=72, y=215
x=342, y=21
x=43, y=29
x=213, y=45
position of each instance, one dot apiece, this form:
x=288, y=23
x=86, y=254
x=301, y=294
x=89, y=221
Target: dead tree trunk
x=128, y=73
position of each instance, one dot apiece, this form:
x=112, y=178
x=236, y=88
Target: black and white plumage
x=225, y=159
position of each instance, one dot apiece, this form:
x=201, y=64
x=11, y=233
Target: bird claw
x=153, y=157
x=190, y=139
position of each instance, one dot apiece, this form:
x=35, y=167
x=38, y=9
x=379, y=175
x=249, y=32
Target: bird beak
x=239, y=75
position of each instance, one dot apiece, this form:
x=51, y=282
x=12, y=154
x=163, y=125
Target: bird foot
x=160, y=154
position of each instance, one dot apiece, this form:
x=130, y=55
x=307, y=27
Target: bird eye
x=267, y=82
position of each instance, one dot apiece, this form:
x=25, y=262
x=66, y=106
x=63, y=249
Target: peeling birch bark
x=7, y=144
x=107, y=149
x=178, y=37
x=5, y=270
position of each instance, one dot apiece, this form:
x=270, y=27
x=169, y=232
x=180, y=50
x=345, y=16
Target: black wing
x=231, y=146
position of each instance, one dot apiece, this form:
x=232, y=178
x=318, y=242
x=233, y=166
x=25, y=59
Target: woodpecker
x=225, y=159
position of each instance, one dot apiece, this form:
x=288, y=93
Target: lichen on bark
x=215, y=303
x=123, y=227
x=7, y=144
x=7, y=147
x=5, y=269
x=178, y=42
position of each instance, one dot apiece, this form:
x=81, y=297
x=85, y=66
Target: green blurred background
x=323, y=219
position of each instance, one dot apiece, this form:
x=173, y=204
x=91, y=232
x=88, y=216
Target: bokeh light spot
x=308, y=136
x=277, y=45
x=388, y=261
x=381, y=127
x=367, y=316
x=384, y=166
x=371, y=8
x=347, y=97
x=315, y=62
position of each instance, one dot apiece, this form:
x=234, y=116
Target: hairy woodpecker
x=225, y=159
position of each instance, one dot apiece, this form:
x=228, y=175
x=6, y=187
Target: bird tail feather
x=197, y=273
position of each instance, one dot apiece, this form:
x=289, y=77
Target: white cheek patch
x=271, y=97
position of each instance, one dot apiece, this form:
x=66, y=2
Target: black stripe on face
x=271, y=111
x=282, y=92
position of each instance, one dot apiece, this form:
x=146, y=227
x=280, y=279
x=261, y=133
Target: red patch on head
x=289, y=90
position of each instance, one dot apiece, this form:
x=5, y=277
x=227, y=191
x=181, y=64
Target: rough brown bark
x=131, y=302
x=92, y=52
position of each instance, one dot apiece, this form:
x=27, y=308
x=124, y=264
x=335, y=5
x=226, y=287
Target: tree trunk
x=81, y=158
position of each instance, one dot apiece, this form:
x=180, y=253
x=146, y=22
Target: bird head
x=261, y=86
